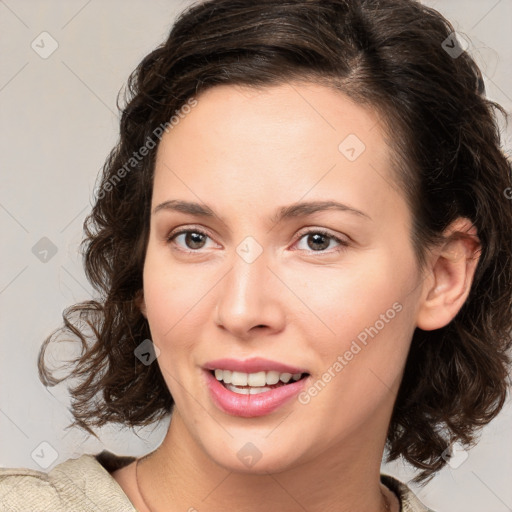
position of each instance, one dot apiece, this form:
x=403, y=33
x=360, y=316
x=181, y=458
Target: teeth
x=272, y=378
x=257, y=380
x=285, y=377
x=247, y=391
x=239, y=379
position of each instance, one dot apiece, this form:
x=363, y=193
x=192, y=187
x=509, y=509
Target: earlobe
x=451, y=271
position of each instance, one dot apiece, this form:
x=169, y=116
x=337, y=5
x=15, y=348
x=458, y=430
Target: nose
x=250, y=298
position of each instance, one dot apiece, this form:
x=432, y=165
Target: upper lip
x=252, y=365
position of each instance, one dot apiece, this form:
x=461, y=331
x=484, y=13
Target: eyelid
x=344, y=239
x=343, y=243
x=184, y=230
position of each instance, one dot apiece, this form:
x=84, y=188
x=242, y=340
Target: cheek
x=351, y=297
x=173, y=300
x=169, y=291
x=374, y=332
x=367, y=312
x=359, y=368
x=173, y=306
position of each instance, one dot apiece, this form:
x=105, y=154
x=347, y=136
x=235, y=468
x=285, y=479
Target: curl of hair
x=444, y=137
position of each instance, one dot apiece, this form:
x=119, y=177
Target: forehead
x=276, y=144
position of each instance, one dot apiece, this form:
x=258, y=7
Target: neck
x=179, y=475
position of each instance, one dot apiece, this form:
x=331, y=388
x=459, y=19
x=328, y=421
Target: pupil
x=194, y=244
x=316, y=236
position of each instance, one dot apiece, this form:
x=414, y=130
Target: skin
x=246, y=152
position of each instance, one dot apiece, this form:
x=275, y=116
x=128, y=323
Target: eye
x=194, y=239
x=319, y=239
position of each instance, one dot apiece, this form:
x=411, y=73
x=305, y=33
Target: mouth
x=255, y=383
x=253, y=387
x=250, y=395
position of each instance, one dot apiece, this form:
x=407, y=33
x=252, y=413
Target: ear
x=450, y=272
x=141, y=303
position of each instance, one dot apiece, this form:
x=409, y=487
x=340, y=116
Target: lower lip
x=249, y=406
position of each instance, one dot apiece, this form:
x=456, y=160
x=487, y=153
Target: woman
x=302, y=245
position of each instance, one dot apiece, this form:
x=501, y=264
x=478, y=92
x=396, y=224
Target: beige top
x=86, y=485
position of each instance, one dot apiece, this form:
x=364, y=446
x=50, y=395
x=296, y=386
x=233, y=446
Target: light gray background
x=58, y=123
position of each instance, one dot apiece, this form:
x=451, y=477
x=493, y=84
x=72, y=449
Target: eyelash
x=343, y=243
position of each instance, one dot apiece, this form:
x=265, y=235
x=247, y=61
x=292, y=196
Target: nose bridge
x=248, y=273
x=246, y=297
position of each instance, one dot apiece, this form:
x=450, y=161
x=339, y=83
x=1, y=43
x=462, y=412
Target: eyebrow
x=301, y=209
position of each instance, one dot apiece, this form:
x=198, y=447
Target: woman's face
x=248, y=282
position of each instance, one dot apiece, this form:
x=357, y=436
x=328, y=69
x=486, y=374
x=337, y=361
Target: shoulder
x=76, y=484
x=24, y=488
x=409, y=501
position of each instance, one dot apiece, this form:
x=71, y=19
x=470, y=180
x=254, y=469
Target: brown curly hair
x=389, y=55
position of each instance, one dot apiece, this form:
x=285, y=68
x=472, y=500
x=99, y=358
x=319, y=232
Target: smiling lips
x=253, y=387
x=253, y=375
x=252, y=365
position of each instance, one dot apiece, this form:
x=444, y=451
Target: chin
x=247, y=458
